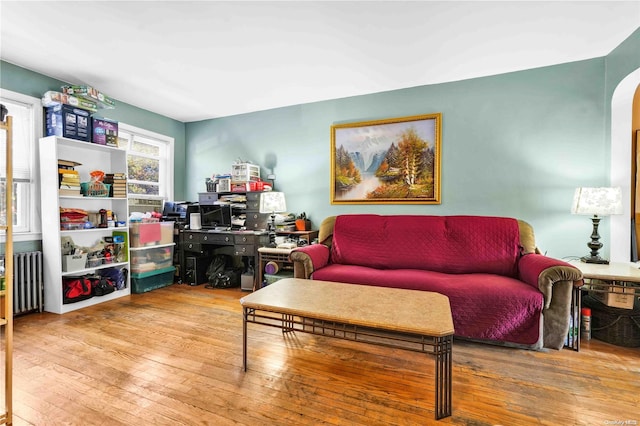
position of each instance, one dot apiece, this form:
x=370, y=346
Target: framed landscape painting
x=390, y=161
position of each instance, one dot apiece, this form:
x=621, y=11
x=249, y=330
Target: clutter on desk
x=285, y=222
x=302, y=222
x=244, y=177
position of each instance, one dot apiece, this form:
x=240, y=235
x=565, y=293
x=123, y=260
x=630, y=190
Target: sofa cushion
x=451, y=244
x=483, y=306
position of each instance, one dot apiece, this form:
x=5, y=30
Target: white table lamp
x=597, y=202
x=272, y=202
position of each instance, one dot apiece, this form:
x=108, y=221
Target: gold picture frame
x=390, y=161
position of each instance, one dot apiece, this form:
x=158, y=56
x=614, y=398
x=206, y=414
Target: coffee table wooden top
x=385, y=308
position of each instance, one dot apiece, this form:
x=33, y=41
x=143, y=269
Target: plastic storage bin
x=147, y=281
x=145, y=234
x=148, y=259
x=74, y=262
x=166, y=232
x=245, y=172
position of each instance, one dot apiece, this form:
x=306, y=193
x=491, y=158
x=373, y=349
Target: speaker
x=195, y=269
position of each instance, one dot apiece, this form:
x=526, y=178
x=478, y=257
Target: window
x=27, y=129
x=149, y=163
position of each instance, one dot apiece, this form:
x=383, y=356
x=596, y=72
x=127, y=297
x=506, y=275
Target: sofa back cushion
x=449, y=244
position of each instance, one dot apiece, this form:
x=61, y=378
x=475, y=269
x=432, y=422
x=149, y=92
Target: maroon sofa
x=500, y=290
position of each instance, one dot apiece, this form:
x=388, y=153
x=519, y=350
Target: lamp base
x=272, y=232
x=594, y=259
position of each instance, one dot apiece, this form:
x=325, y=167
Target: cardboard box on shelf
x=105, y=132
x=69, y=122
x=614, y=296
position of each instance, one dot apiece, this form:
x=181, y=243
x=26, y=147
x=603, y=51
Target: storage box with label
x=74, y=262
x=145, y=234
x=105, y=132
x=614, y=296
x=69, y=122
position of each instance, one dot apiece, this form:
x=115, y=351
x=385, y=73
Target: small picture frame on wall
x=389, y=161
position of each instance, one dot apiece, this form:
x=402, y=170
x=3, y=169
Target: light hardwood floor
x=173, y=356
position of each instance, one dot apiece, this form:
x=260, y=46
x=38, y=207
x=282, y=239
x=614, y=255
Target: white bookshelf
x=92, y=157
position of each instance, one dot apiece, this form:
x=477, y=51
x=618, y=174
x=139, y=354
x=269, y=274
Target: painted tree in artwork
x=389, y=169
x=411, y=149
x=407, y=170
x=346, y=172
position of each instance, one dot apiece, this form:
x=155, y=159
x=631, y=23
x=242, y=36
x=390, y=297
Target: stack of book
x=68, y=178
x=118, y=183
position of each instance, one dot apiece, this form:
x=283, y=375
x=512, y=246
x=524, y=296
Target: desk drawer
x=192, y=247
x=244, y=249
x=253, y=205
x=207, y=238
x=191, y=237
x=219, y=239
x=255, y=221
x=244, y=239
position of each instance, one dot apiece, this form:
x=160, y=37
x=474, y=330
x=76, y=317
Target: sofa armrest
x=556, y=280
x=308, y=259
x=543, y=272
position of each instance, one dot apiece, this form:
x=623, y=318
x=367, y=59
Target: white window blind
x=26, y=112
x=23, y=137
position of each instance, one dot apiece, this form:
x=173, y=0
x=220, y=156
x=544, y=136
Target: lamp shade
x=272, y=202
x=597, y=201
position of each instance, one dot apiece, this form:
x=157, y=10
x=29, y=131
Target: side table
x=269, y=254
x=617, y=276
x=309, y=236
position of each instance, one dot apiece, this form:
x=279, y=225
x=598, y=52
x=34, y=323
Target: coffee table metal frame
x=439, y=346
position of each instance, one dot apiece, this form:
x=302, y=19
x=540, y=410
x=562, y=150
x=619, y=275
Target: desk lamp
x=272, y=202
x=597, y=202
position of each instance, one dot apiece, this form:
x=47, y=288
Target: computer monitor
x=215, y=216
x=175, y=210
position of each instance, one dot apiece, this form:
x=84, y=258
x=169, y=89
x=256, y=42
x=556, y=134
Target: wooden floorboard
x=173, y=356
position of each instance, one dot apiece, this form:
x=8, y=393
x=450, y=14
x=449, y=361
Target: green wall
x=30, y=83
x=515, y=144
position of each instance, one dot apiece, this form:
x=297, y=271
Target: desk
x=617, y=276
x=205, y=243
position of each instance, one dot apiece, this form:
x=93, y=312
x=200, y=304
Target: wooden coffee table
x=406, y=319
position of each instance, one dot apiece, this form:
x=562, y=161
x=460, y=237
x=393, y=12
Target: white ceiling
x=205, y=59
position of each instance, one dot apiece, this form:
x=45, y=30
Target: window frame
x=166, y=176
x=29, y=207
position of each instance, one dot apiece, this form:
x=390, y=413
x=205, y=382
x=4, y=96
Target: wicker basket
x=614, y=325
x=95, y=189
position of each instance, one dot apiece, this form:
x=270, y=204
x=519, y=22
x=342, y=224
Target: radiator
x=27, y=282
